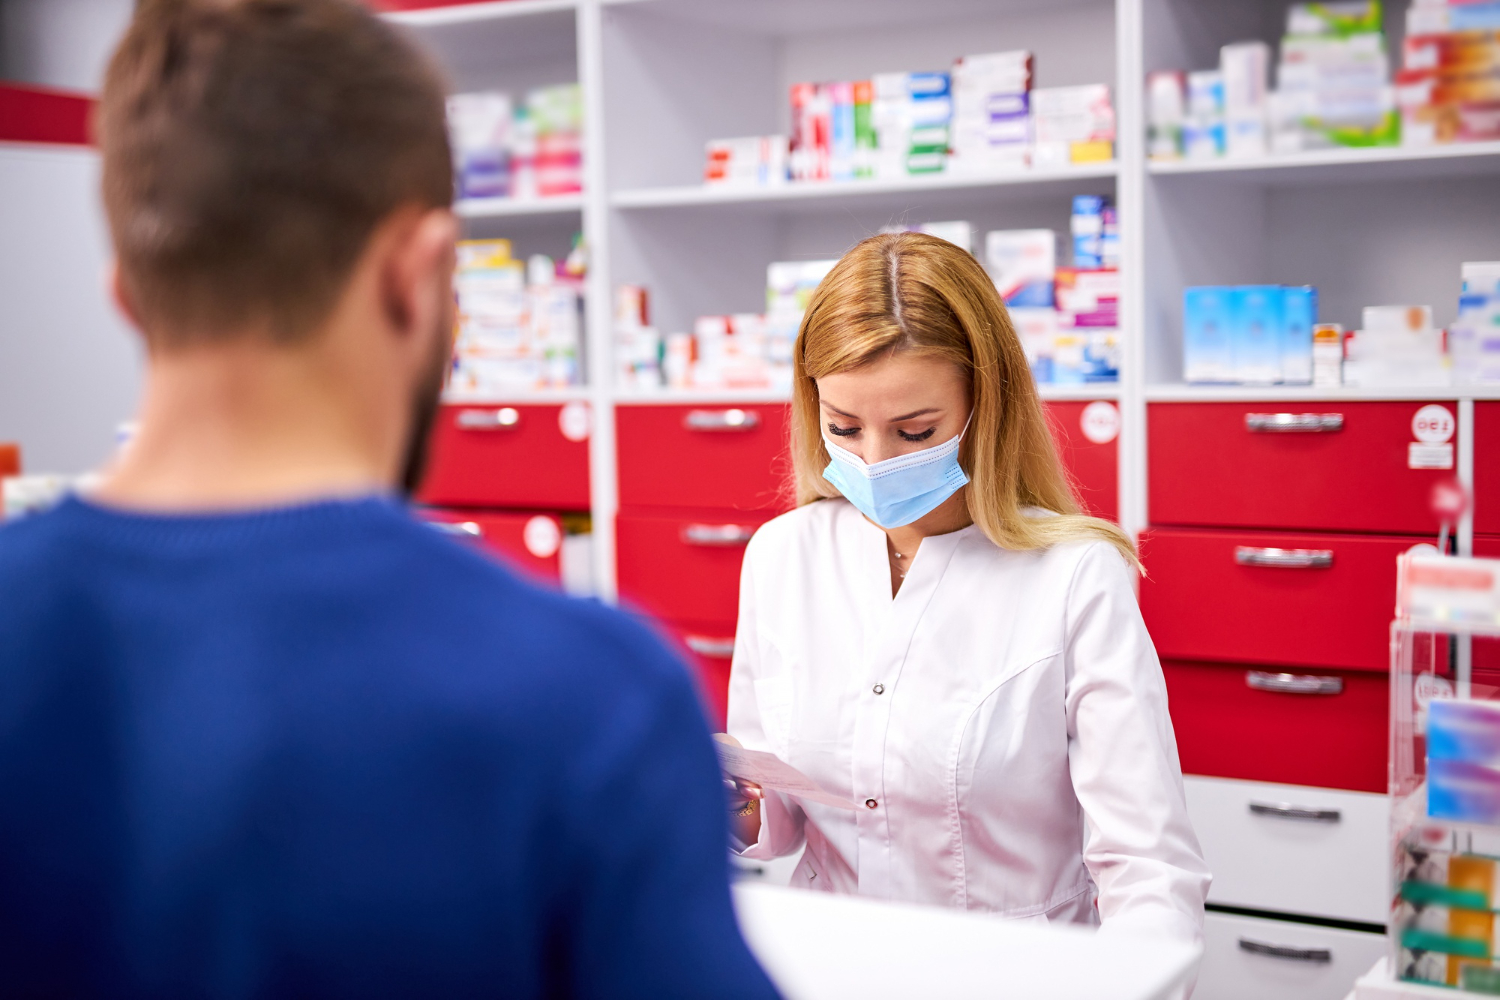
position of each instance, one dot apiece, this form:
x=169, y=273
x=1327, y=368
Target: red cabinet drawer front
x=509, y=456
x=531, y=543
x=1207, y=468
x=683, y=567
x=1228, y=729
x=1088, y=438
x=1487, y=468
x=709, y=648
x=734, y=457
x=1205, y=597
x=1486, y=651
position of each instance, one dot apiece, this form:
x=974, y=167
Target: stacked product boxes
x=519, y=324
x=1248, y=333
x=737, y=351
x=991, y=112
x=505, y=149
x=1448, y=88
x=1067, y=317
x=982, y=116
x=1332, y=89
x=1447, y=891
x=1474, y=338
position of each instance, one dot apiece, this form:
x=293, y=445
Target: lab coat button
x=871, y=803
x=878, y=689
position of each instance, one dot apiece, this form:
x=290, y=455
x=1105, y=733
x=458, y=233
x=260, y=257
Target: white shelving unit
x=661, y=77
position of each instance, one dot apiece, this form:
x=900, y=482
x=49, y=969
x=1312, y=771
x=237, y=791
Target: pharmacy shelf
x=496, y=208
x=1187, y=393
x=1342, y=165
x=700, y=397
x=520, y=397
x=729, y=397
x=795, y=195
x=473, y=13
x=1087, y=390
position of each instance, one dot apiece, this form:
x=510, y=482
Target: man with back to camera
x=261, y=732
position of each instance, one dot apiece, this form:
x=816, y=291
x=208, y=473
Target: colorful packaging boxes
x=1072, y=125
x=1333, y=81
x=1448, y=88
x=1257, y=334
x=991, y=112
x=519, y=324
x=504, y=150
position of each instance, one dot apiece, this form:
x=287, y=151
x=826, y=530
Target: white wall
x=60, y=43
x=69, y=366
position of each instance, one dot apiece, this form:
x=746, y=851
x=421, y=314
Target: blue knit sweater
x=323, y=751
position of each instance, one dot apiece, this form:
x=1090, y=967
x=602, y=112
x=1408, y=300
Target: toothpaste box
x=1299, y=314
x=1255, y=333
x=1207, y=347
x=1023, y=263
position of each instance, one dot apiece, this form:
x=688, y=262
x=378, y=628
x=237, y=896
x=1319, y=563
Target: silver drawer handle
x=1250, y=555
x=1321, y=956
x=468, y=528
x=721, y=649
x=1294, y=423
x=733, y=419
x=1284, y=810
x=504, y=419
x=1264, y=680
x=717, y=534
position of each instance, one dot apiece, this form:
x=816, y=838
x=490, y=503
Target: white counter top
x=821, y=947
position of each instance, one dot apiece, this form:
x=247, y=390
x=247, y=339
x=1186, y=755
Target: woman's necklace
x=900, y=564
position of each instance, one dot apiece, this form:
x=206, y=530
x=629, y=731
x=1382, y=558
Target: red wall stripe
x=38, y=114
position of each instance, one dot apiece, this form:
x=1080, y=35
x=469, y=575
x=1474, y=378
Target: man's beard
x=424, y=409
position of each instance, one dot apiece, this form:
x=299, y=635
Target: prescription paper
x=774, y=774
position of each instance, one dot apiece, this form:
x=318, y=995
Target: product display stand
x=1444, y=775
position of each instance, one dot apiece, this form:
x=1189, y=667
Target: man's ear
x=417, y=281
x=119, y=294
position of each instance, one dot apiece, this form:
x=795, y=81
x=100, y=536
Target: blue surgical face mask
x=898, y=490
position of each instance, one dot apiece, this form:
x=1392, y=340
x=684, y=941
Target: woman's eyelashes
x=842, y=432
x=923, y=436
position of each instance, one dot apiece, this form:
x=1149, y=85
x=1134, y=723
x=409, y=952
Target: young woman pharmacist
x=937, y=633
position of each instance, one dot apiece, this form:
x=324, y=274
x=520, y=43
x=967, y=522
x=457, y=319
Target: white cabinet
x=1247, y=958
x=1316, y=851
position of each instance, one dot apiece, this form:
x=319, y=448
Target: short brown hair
x=250, y=149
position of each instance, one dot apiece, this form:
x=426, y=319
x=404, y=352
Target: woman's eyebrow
x=916, y=413
x=835, y=409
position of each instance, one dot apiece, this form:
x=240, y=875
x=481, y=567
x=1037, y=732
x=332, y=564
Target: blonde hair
x=908, y=292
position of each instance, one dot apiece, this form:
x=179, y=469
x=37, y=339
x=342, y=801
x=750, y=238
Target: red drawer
x=1281, y=730
x=1220, y=595
x=1087, y=436
x=1486, y=651
x=1208, y=467
x=709, y=647
x=1487, y=468
x=509, y=456
x=531, y=543
x=683, y=567
x=734, y=457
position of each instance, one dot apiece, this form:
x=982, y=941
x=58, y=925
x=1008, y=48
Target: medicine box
x=1023, y=263
x=1298, y=317
x=1255, y=333
x=1207, y=351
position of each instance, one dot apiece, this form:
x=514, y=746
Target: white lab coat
x=1002, y=721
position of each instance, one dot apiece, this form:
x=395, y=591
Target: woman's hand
x=744, y=800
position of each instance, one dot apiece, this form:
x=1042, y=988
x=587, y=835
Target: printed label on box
x=1429, y=456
